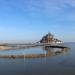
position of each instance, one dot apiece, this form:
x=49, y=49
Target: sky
x=29, y=20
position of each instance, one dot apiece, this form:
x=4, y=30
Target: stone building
x=49, y=38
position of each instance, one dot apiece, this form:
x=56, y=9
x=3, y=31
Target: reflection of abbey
x=49, y=38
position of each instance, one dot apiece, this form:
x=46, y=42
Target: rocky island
x=48, y=39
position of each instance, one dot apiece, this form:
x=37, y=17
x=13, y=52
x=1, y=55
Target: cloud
x=38, y=8
x=38, y=5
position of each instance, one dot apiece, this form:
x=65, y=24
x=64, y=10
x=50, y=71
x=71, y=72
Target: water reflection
x=55, y=51
x=48, y=52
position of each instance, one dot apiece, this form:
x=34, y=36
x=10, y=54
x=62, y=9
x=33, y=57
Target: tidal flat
x=62, y=63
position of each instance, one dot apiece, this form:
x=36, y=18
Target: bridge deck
x=56, y=46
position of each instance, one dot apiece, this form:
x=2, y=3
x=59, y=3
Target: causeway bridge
x=47, y=45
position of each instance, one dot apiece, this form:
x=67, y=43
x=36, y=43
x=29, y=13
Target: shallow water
x=35, y=50
x=59, y=64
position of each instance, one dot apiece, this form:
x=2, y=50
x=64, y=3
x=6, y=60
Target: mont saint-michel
x=47, y=39
x=37, y=37
x=47, y=42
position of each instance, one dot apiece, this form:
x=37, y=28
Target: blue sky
x=28, y=20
